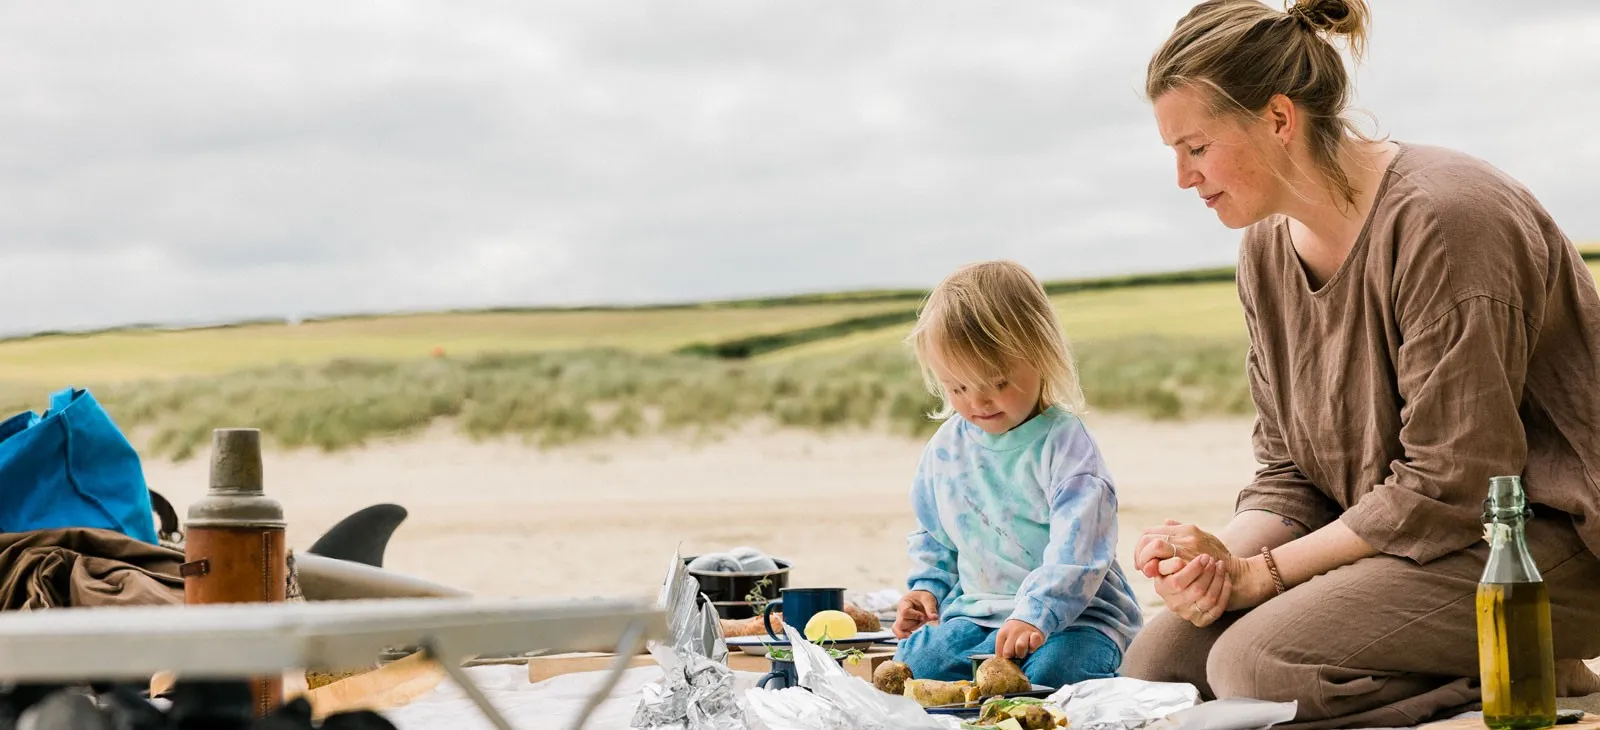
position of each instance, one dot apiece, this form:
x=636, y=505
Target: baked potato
x=891, y=677
x=866, y=621
x=936, y=693
x=998, y=675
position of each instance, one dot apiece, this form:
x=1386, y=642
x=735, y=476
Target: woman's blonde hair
x=981, y=319
x=1243, y=53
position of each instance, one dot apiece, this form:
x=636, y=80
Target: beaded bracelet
x=1272, y=567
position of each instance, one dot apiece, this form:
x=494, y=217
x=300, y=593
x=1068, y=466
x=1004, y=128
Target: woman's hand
x=1169, y=555
x=1197, y=576
x=1198, y=592
x=1167, y=549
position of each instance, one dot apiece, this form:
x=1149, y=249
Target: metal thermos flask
x=234, y=548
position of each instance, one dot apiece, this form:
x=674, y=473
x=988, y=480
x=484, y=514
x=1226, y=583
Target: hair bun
x=1341, y=17
x=1346, y=18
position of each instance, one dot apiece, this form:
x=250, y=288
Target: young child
x=1015, y=551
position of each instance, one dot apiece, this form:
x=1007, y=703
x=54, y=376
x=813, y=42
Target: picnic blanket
x=555, y=701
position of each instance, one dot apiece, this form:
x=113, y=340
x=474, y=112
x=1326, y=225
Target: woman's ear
x=1281, y=118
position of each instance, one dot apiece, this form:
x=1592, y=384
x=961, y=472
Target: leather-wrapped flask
x=234, y=548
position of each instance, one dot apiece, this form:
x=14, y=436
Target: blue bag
x=71, y=467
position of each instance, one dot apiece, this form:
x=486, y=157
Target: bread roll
x=865, y=620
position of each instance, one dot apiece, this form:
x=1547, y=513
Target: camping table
x=252, y=639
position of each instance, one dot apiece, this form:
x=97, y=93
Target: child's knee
x=1072, y=656
x=923, y=660
x=938, y=651
x=923, y=654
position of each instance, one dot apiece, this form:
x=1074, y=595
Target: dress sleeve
x=1461, y=379
x=1468, y=296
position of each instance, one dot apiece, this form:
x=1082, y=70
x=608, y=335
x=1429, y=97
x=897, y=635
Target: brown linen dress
x=1459, y=340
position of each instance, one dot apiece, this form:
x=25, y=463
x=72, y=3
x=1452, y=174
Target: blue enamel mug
x=798, y=605
x=783, y=673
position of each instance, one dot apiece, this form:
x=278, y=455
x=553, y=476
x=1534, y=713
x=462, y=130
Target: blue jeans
x=1072, y=655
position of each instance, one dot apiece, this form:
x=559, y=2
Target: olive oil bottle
x=1515, y=651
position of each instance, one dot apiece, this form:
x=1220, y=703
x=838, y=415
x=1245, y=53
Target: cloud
x=194, y=161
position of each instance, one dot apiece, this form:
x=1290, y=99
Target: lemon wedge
x=830, y=626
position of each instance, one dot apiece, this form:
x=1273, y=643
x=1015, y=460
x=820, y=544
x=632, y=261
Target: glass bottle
x=1515, y=651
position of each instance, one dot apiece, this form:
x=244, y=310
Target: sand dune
x=503, y=518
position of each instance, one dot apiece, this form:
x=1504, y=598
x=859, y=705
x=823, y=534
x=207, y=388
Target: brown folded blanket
x=64, y=567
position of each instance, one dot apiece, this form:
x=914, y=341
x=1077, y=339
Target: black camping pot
x=737, y=587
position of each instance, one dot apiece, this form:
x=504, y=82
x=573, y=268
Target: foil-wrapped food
x=696, y=690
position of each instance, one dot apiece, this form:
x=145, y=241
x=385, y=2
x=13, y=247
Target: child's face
x=999, y=406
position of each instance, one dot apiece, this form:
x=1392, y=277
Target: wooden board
x=554, y=665
x=392, y=685
x=1590, y=721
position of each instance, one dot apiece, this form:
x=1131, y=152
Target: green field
x=112, y=357
x=1208, y=310
x=1166, y=346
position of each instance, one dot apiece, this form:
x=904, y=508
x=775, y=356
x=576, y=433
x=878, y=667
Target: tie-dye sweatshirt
x=1021, y=525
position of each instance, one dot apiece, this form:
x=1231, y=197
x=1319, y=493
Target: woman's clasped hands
x=1194, y=573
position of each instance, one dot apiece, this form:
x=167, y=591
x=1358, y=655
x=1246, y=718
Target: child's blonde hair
x=982, y=317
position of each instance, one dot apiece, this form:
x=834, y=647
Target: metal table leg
x=632, y=640
x=452, y=668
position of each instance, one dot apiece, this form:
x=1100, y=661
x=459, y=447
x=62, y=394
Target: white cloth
x=742, y=559
x=881, y=602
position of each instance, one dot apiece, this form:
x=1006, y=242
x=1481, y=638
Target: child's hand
x=916, y=608
x=1017, y=639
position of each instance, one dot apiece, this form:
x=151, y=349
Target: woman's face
x=1221, y=159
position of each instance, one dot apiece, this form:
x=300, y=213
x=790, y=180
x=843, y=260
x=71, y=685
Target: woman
x=1418, y=324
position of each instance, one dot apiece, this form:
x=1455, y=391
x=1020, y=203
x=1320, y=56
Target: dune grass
x=560, y=397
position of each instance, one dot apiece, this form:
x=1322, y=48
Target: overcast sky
x=180, y=161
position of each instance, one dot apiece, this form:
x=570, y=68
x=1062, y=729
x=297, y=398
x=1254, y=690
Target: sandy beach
x=504, y=518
